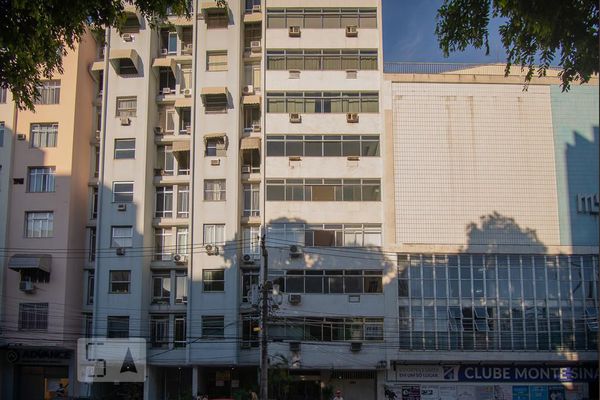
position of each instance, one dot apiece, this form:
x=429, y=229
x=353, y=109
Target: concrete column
x=195, y=380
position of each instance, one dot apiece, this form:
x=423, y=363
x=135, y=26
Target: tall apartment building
x=45, y=162
x=210, y=127
x=495, y=202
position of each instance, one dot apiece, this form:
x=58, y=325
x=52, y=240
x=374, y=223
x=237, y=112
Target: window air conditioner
x=351, y=31
x=246, y=169
x=166, y=90
x=120, y=251
x=164, y=52
x=355, y=346
x=295, y=346
x=295, y=118
x=247, y=259
x=255, y=127
x=294, y=299
x=352, y=118
x=26, y=286
x=125, y=120
x=294, y=74
x=249, y=89
x=255, y=46
x=189, y=47
x=187, y=92
x=121, y=207
x=295, y=251
x=294, y=31
x=215, y=162
x=128, y=37
x=256, y=8
x=179, y=258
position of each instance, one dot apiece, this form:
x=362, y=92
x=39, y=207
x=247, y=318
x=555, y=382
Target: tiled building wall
x=474, y=165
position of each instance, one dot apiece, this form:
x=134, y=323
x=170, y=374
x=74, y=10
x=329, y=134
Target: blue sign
x=479, y=373
x=538, y=393
x=520, y=393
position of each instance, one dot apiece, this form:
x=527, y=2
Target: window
x=49, y=92
x=163, y=244
x=327, y=329
x=117, y=327
x=126, y=106
x=213, y=280
x=121, y=236
x=330, y=59
x=182, y=241
x=164, y=202
x=169, y=124
x=213, y=327
x=88, y=320
x=120, y=281
x=251, y=239
x=216, y=60
x=324, y=190
x=322, y=102
x=159, y=331
x=166, y=81
x=185, y=121
x=41, y=179
x=122, y=192
x=1, y=133
x=215, y=103
x=127, y=67
x=181, y=288
x=327, y=235
x=323, y=145
x=318, y=18
x=180, y=331
x=124, y=149
x=44, y=135
x=251, y=200
x=92, y=244
x=94, y=202
x=33, y=316
x=215, y=147
x=329, y=281
x=96, y=158
x=250, y=277
x=183, y=201
x=3, y=92
x=214, y=190
x=165, y=160
x=172, y=43
x=39, y=224
x=214, y=234
x=161, y=288
x=90, y=288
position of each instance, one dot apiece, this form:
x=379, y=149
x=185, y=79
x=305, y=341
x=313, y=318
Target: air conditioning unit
x=179, y=258
x=294, y=299
x=352, y=118
x=249, y=89
x=295, y=118
x=295, y=346
x=21, y=136
x=247, y=259
x=255, y=46
x=294, y=31
x=187, y=92
x=215, y=162
x=120, y=251
x=294, y=74
x=189, y=47
x=246, y=169
x=166, y=90
x=121, y=207
x=295, y=251
x=256, y=128
x=211, y=249
x=125, y=120
x=164, y=52
x=158, y=130
x=26, y=286
x=355, y=346
x=128, y=37
x=256, y=8
x=351, y=31
x=351, y=74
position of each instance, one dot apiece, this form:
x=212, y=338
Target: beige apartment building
x=46, y=163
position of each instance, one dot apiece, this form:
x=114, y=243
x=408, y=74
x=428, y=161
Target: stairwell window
x=33, y=316
x=214, y=190
x=126, y=107
x=216, y=60
x=214, y=234
x=49, y=92
x=120, y=282
x=164, y=202
x=41, y=179
x=121, y=236
x=213, y=280
x=39, y=224
x=124, y=149
x=213, y=327
x=122, y=192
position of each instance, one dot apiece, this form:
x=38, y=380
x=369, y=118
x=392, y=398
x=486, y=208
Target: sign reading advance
x=479, y=373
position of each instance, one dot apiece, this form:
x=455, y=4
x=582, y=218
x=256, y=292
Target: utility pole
x=264, y=352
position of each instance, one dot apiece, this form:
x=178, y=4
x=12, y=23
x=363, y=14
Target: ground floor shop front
x=491, y=382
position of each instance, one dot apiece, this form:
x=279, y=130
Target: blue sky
x=409, y=35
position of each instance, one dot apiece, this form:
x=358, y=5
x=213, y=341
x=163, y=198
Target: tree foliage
x=534, y=33
x=36, y=34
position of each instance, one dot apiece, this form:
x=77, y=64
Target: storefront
x=36, y=373
x=492, y=382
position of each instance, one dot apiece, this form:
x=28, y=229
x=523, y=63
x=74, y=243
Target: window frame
x=46, y=175
x=114, y=238
x=43, y=135
x=213, y=280
x=115, y=284
x=216, y=65
x=215, y=190
x=49, y=92
x=126, y=112
x=37, y=314
x=214, y=323
x=122, y=196
x=34, y=217
x=124, y=153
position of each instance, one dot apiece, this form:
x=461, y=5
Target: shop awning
x=254, y=99
x=20, y=262
x=250, y=143
x=180, y=146
x=186, y=102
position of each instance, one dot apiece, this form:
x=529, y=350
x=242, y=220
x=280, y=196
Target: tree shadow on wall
x=494, y=231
